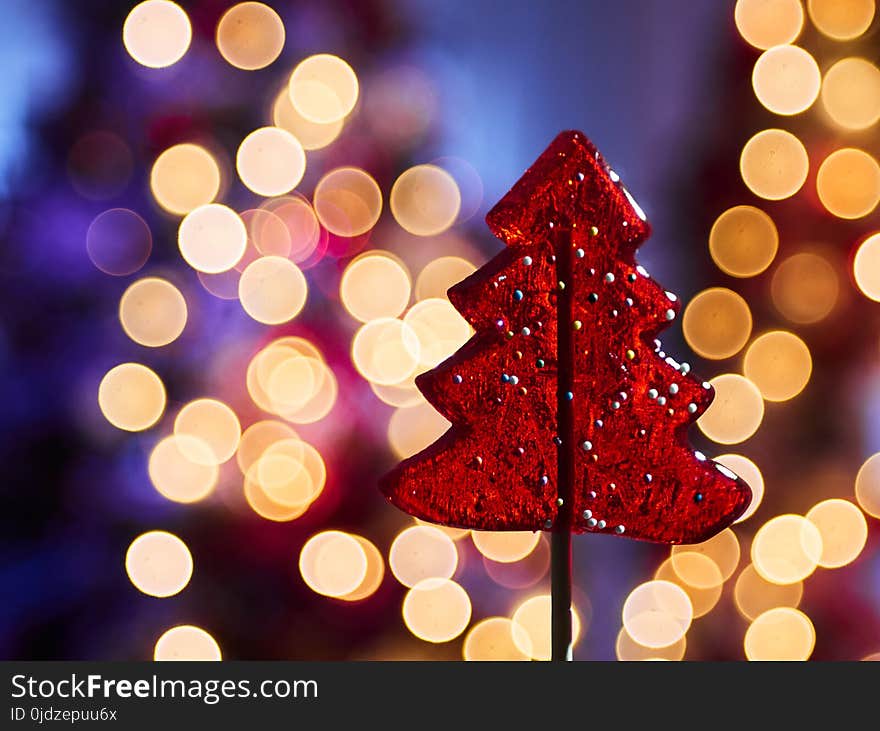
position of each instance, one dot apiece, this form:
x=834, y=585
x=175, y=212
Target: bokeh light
x=628, y=650
x=779, y=364
x=699, y=577
x=182, y=469
x=743, y=241
x=782, y=633
x=272, y=290
x=844, y=531
x=774, y=164
x=735, y=413
x=412, y=429
x=250, y=35
x=436, y=610
x=214, y=424
x=374, y=285
x=657, y=613
x=848, y=183
x=287, y=480
x=440, y=274
x=492, y=639
x=521, y=574
x=156, y=33
x=333, y=563
x=184, y=177
x=717, y=323
x=186, y=642
x=440, y=329
x=152, y=312
x=131, y=397
x=786, y=79
x=422, y=552
x=311, y=135
x=270, y=161
x=425, y=200
x=290, y=229
x=805, y=287
x=868, y=486
x=786, y=549
x=851, y=93
x=754, y=595
x=385, y=351
x=866, y=267
x=400, y=395
x=323, y=88
x=748, y=471
x=766, y=23
x=532, y=627
x=348, y=201
x=722, y=549
x=841, y=20
x=257, y=438
x=119, y=242
x=505, y=546
x=212, y=238
x=158, y=563
x=372, y=577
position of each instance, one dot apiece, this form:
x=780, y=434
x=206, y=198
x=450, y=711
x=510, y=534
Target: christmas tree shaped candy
x=566, y=415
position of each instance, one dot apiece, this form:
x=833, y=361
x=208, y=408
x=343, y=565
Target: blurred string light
x=657, y=613
x=456, y=534
x=627, y=649
x=736, y=412
x=257, y=438
x=159, y=563
x=250, y=36
x=851, y=93
x=182, y=468
x=786, y=80
x=748, y=471
x=186, y=642
x=270, y=161
x=767, y=23
x=524, y=573
x=156, y=33
x=152, y=312
x=347, y=201
x=782, y=633
x=131, y=397
x=184, y=177
x=844, y=531
x=400, y=395
x=505, y=546
x=333, y=563
x=385, y=351
x=699, y=577
x=119, y=242
x=323, y=88
x=841, y=20
x=288, y=226
x=311, y=135
x=439, y=274
x=440, y=329
x=436, y=610
x=212, y=238
x=774, y=164
x=268, y=233
x=372, y=576
x=743, y=241
x=214, y=424
x=754, y=595
x=412, y=429
x=492, y=639
x=805, y=288
x=866, y=267
x=422, y=552
x=425, y=200
x=848, y=183
x=867, y=486
x=722, y=549
x=779, y=364
x=786, y=549
x=717, y=323
x=375, y=284
x=272, y=290
x=531, y=625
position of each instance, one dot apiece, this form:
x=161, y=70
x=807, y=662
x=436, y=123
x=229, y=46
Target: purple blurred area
x=661, y=87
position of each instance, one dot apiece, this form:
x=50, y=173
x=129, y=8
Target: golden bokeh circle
x=440, y=274
x=657, y=613
x=212, y=238
x=156, y=33
x=851, y=93
x=786, y=549
x=492, y=639
x=182, y=468
x=844, y=531
x=152, y=312
x=786, y=79
x=333, y=563
x=782, y=633
x=628, y=650
x=694, y=568
x=754, y=595
x=347, y=201
x=214, y=424
x=532, y=627
x=257, y=438
x=774, y=164
x=841, y=20
x=412, y=429
x=804, y=288
x=374, y=574
x=385, y=351
x=158, y=563
x=323, y=88
x=250, y=35
x=722, y=549
x=422, y=552
x=748, y=471
x=736, y=411
x=436, y=610
x=272, y=290
x=311, y=135
x=131, y=397
x=717, y=323
x=270, y=161
x=184, y=177
x=868, y=486
x=779, y=364
x=767, y=23
x=743, y=241
x=186, y=642
x=848, y=183
x=375, y=284
x=425, y=200
x=866, y=267
x=505, y=546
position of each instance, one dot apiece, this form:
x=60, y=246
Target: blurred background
x=228, y=230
